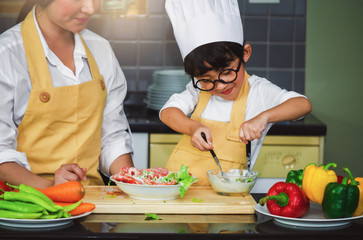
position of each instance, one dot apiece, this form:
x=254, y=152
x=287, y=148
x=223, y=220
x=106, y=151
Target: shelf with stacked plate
x=165, y=83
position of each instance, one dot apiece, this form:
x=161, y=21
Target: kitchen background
x=309, y=46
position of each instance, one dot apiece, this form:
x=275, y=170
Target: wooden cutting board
x=197, y=200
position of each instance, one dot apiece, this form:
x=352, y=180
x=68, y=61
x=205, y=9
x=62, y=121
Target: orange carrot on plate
x=70, y=192
x=82, y=208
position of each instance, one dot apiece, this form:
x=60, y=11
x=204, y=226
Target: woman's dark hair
x=28, y=6
x=217, y=54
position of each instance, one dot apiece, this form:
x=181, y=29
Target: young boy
x=229, y=106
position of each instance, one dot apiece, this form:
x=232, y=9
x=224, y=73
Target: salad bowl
x=232, y=182
x=149, y=192
x=153, y=183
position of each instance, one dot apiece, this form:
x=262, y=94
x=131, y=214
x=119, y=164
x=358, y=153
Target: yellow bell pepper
x=315, y=180
x=359, y=210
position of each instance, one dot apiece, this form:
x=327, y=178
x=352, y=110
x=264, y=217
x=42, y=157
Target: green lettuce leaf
x=185, y=179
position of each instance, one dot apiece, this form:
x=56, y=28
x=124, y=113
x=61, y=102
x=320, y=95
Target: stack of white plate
x=165, y=83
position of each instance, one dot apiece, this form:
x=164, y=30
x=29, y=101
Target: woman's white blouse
x=15, y=86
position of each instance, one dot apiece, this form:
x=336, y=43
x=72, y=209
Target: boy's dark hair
x=218, y=54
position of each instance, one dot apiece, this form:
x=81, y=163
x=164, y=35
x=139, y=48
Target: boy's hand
x=253, y=128
x=196, y=138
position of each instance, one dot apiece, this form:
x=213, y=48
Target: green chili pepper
x=295, y=176
x=61, y=213
x=36, y=192
x=66, y=215
x=50, y=216
x=18, y=206
x=19, y=215
x=25, y=197
x=341, y=200
x=71, y=207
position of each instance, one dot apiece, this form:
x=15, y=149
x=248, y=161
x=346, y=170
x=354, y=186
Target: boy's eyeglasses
x=226, y=76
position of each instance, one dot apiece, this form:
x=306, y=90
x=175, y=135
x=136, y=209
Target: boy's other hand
x=252, y=129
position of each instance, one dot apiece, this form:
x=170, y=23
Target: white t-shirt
x=15, y=86
x=262, y=96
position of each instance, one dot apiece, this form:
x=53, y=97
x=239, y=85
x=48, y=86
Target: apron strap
x=91, y=61
x=37, y=62
x=203, y=100
x=239, y=110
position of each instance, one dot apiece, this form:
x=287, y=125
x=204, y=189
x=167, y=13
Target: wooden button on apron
x=102, y=84
x=44, y=97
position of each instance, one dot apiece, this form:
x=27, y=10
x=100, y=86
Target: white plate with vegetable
x=314, y=218
x=153, y=183
x=40, y=223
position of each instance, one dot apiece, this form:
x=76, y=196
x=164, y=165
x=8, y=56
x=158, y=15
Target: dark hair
x=28, y=6
x=218, y=54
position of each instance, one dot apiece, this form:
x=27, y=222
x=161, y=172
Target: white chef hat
x=198, y=22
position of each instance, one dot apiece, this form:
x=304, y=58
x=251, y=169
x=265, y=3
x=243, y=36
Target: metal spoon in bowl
x=248, y=155
x=215, y=157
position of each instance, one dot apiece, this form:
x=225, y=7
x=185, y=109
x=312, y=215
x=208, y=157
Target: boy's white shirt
x=263, y=95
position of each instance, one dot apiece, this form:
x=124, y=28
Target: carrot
x=70, y=192
x=82, y=208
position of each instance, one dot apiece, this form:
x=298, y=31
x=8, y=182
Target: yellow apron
x=227, y=146
x=61, y=125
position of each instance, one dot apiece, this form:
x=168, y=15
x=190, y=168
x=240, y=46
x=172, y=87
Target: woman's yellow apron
x=226, y=142
x=61, y=125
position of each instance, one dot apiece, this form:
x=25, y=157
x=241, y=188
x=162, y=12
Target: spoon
x=248, y=155
x=214, y=157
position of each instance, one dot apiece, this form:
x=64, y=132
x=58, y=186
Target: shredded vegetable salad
x=156, y=176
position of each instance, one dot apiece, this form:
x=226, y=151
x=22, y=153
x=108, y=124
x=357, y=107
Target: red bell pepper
x=340, y=178
x=286, y=199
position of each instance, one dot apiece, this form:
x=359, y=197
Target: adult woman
x=62, y=89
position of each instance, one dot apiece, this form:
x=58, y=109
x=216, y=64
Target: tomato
x=158, y=172
x=169, y=183
x=128, y=174
x=149, y=182
x=4, y=187
x=131, y=171
x=127, y=179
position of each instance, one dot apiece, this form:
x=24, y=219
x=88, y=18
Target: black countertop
x=142, y=119
x=133, y=226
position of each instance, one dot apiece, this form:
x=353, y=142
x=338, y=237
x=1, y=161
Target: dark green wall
x=334, y=77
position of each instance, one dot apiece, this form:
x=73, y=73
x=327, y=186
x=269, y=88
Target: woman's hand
x=253, y=128
x=197, y=140
x=69, y=172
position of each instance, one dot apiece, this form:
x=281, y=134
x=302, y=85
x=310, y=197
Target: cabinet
x=161, y=146
x=278, y=155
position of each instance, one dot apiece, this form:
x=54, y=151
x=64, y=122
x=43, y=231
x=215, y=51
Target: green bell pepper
x=341, y=200
x=295, y=176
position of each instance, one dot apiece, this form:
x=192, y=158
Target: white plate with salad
x=153, y=183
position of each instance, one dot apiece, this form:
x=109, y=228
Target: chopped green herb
x=151, y=216
x=244, y=180
x=181, y=230
x=249, y=180
x=111, y=195
x=197, y=200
